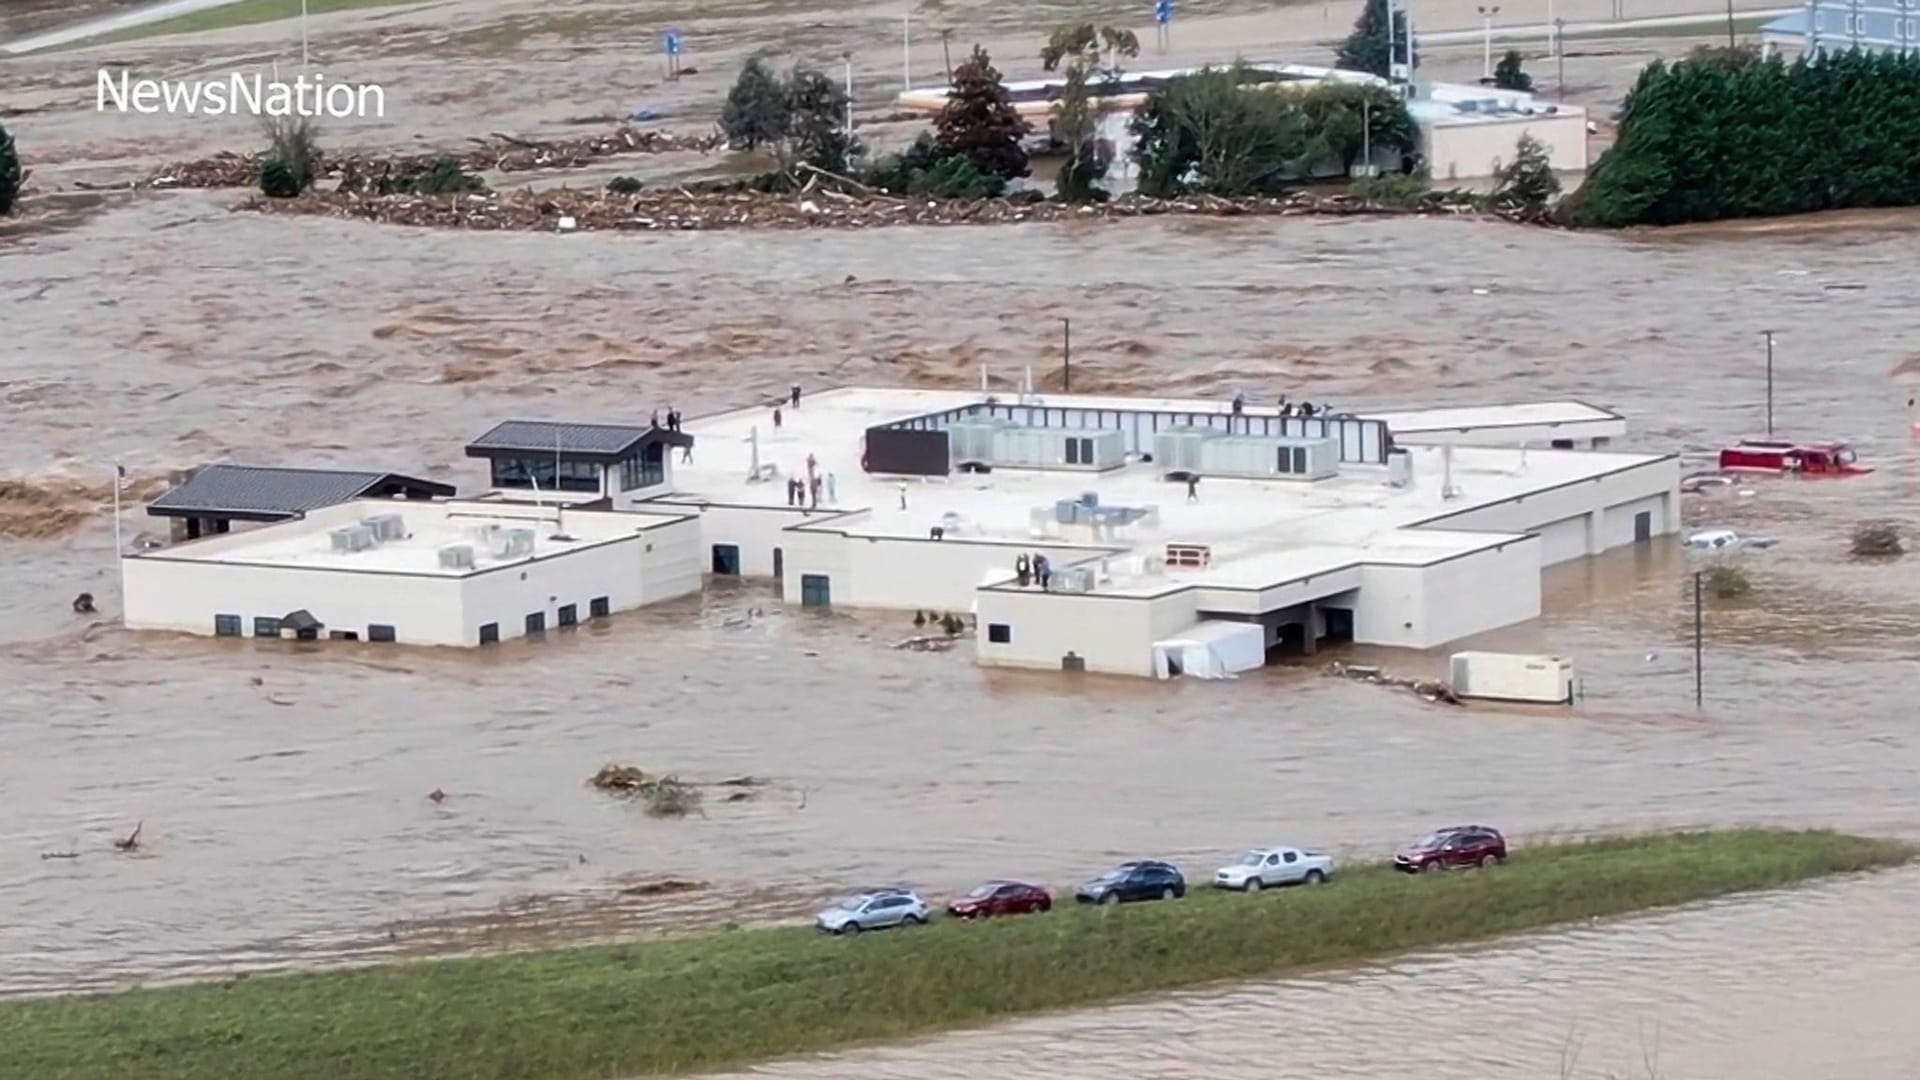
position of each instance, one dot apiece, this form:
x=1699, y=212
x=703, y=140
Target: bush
x=444, y=176
x=924, y=170
x=1877, y=540
x=624, y=185
x=1527, y=183
x=1729, y=135
x=1726, y=581
x=292, y=158
x=1509, y=74
x=12, y=177
x=1392, y=189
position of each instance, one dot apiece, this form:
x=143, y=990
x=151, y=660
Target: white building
x=1412, y=529
x=464, y=572
x=1466, y=132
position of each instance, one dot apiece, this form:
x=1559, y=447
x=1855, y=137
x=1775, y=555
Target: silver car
x=873, y=911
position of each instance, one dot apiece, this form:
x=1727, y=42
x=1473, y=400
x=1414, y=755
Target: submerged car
x=1000, y=898
x=876, y=910
x=1148, y=879
x=1456, y=848
x=1264, y=868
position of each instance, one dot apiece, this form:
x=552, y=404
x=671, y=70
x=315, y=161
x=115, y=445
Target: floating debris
x=927, y=643
x=666, y=796
x=663, y=887
x=1429, y=690
x=59, y=855
x=131, y=841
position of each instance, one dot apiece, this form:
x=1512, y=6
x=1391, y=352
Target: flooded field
x=283, y=790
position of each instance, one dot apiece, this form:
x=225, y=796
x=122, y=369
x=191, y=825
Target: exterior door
x=726, y=560
x=816, y=590
x=1643, y=526
x=779, y=564
x=1291, y=860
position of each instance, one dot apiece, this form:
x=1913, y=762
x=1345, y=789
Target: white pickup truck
x=1267, y=867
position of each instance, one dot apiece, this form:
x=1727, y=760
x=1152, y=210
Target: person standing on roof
x=794, y=396
x=1193, y=488
x=903, y=494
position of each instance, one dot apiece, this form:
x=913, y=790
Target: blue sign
x=673, y=41
x=1163, y=11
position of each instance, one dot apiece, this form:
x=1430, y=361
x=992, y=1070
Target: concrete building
x=1841, y=25
x=1466, y=132
x=1412, y=529
x=468, y=572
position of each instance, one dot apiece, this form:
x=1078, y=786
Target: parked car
x=874, y=910
x=1000, y=898
x=1455, y=848
x=1149, y=879
x=1264, y=868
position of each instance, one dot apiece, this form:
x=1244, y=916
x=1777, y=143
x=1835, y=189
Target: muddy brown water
x=283, y=789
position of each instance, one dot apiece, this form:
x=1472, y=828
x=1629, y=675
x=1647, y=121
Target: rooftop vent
x=456, y=557
x=386, y=527
x=350, y=538
x=512, y=543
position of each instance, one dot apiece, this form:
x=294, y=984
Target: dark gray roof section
x=602, y=443
x=268, y=493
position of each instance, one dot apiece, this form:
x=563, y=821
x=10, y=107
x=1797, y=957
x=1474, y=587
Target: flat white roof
x=430, y=525
x=1259, y=532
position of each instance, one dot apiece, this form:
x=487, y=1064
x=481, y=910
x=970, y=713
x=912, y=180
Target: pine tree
x=979, y=121
x=1368, y=47
x=817, y=122
x=756, y=111
x=12, y=177
x=1509, y=75
x=1528, y=182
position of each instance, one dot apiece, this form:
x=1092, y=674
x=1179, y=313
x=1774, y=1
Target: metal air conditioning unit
x=513, y=543
x=1178, y=449
x=1399, y=467
x=351, y=538
x=1286, y=458
x=457, y=557
x=386, y=527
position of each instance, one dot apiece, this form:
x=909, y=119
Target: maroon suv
x=1452, y=849
x=1000, y=898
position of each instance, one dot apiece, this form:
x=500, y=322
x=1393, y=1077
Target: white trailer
x=1545, y=680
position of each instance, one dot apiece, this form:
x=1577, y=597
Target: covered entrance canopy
x=1211, y=650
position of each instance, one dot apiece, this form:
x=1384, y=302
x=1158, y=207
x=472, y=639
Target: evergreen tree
x=1368, y=48
x=1509, y=75
x=980, y=123
x=1527, y=183
x=817, y=122
x=756, y=111
x=12, y=176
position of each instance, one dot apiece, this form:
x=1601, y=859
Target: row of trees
x=12, y=176
x=1728, y=134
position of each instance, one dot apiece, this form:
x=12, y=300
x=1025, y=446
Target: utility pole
x=1729, y=25
x=1560, y=81
x=848, y=57
x=303, y=36
x=906, y=51
x=1698, y=639
x=1066, y=352
x=946, y=51
x=1486, y=39
x=1769, y=336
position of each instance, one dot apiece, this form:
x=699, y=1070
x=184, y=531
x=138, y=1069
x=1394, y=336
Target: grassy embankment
x=243, y=13
x=704, y=1001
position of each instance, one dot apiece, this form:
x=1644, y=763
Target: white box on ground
x=1546, y=680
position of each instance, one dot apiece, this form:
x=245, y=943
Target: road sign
x=673, y=43
x=1163, y=11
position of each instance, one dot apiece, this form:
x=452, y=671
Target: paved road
x=109, y=24
x=1592, y=28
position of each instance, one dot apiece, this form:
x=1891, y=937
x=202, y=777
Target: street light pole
x=1698, y=626
x=906, y=51
x=1769, y=336
x=1729, y=25
x=1486, y=39
x=1066, y=352
x=848, y=57
x=1560, y=80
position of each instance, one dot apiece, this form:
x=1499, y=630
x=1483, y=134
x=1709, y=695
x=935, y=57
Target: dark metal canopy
x=600, y=444
x=268, y=493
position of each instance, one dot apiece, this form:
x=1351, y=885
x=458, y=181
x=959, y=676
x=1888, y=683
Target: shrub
x=1877, y=540
x=624, y=185
x=292, y=158
x=12, y=177
x=1392, y=189
x=1527, y=183
x=444, y=176
x=1726, y=581
x=1509, y=74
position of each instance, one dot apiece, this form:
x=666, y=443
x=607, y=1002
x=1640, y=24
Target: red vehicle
x=1459, y=847
x=1804, y=459
x=1000, y=898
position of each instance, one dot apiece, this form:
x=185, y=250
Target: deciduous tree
x=1075, y=50
x=980, y=123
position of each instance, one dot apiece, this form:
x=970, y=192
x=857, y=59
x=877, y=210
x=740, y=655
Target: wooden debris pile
x=496, y=152
x=1428, y=690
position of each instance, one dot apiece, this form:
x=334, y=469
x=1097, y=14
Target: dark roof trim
x=600, y=444
x=270, y=493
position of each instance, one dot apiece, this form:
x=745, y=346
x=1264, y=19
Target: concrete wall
x=905, y=573
x=185, y=595
x=1563, y=541
x=670, y=561
x=1424, y=607
x=508, y=595
x=1113, y=635
x=756, y=531
x=1478, y=150
x=1654, y=487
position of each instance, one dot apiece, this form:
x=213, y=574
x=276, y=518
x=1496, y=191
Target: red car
x=1452, y=849
x=1786, y=458
x=1000, y=898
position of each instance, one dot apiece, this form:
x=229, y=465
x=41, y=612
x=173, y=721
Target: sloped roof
x=270, y=493
x=595, y=442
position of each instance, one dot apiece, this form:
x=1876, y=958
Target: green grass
x=244, y=13
x=712, y=1000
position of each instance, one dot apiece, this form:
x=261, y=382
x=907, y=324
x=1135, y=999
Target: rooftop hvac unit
x=456, y=557
x=1178, y=449
x=351, y=538
x=386, y=526
x=1286, y=458
x=513, y=543
x=1399, y=467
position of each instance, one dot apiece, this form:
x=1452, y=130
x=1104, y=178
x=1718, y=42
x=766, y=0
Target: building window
x=569, y=615
x=537, y=623
x=599, y=607
x=226, y=626
x=546, y=474
x=380, y=632
x=999, y=633
x=645, y=471
x=490, y=634
x=265, y=626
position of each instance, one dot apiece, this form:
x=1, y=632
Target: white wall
x=1617, y=524
x=1563, y=540
x=755, y=530
x=506, y=596
x=898, y=572
x=670, y=561
x=1418, y=607
x=1113, y=635
x=185, y=595
x=1656, y=484
x=1478, y=150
